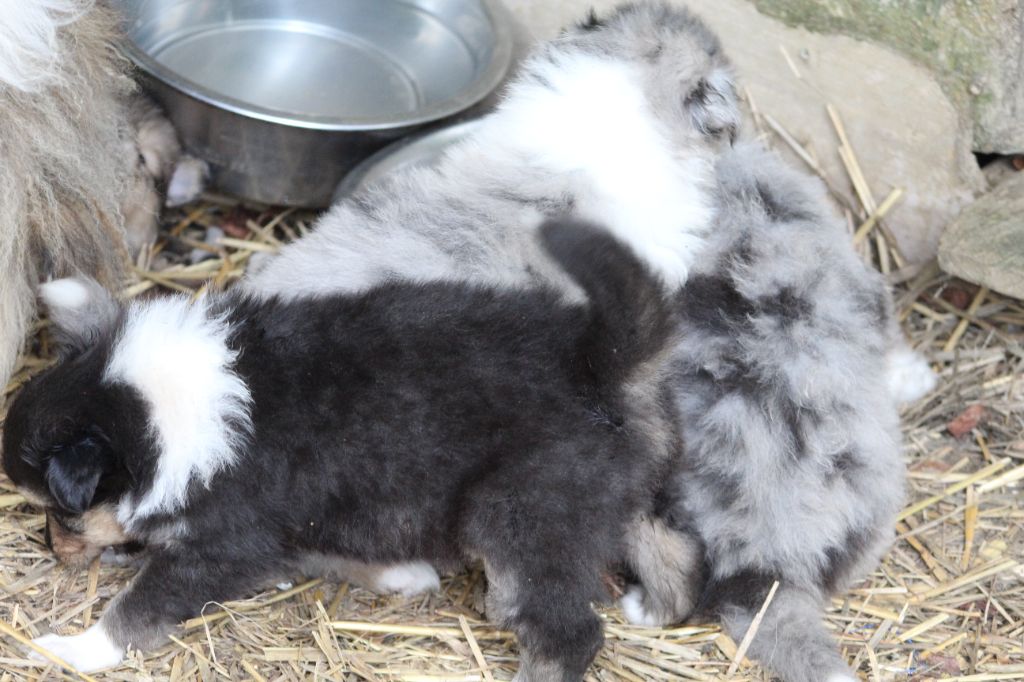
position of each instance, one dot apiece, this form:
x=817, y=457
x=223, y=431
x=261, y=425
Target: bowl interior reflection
x=320, y=60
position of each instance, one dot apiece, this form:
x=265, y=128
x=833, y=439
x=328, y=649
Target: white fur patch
x=910, y=377
x=632, y=605
x=408, y=579
x=65, y=294
x=187, y=180
x=589, y=117
x=90, y=651
x=29, y=53
x=176, y=355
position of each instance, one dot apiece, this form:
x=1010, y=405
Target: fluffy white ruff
x=632, y=605
x=910, y=377
x=176, y=355
x=409, y=579
x=90, y=651
x=589, y=117
x=65, y=293
x=29, y=54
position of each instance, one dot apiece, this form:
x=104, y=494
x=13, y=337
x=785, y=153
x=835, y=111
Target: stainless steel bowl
x=282, y=97
x=411, y=152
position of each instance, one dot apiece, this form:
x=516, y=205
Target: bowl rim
x=501, y=60
x=355, y=179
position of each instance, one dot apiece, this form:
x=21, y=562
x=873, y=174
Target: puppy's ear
x=73, y=472
x=80, y=310
x=713, y=106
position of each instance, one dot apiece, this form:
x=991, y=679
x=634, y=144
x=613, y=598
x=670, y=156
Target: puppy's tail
x=631, y=316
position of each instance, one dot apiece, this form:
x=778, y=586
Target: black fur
x=840, y=557
x=591, y=22
x=74, y=471
x=433, y=422
x=746, y=589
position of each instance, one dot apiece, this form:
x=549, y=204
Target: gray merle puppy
x=241, y=439
x=792, y=367
x=788, y=375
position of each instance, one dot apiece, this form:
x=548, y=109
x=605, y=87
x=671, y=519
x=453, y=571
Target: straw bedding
x=947, y=602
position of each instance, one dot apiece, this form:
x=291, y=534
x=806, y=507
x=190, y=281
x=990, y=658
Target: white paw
x=187, y=181
x=910, y=377
x=67, y=293
x=90, y=651
x=632, y=604
x=408, y=579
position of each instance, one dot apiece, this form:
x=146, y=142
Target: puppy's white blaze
x=176, y=355
x=632, y=604
x=910, y=377
x=29, y=55
x=88, y=652
x=408, y=579
x=590, y=117
x=67, y=294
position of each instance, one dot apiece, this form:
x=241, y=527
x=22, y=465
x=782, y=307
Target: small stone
x=985, y=244
x=965, y=422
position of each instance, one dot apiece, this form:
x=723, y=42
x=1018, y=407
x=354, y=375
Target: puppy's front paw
x=92, y=650
x=408, y=579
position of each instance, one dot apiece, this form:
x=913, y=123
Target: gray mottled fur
x=474, y=216
x=794, y=470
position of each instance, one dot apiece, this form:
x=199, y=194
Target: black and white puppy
x=240, y=439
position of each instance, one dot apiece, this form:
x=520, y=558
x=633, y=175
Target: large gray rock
x=985, y=244
x=904, y=130
x=974, y=47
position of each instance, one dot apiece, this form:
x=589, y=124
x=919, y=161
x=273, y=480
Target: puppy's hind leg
x=668, y=564
x=559, y=634
x=791, y=641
